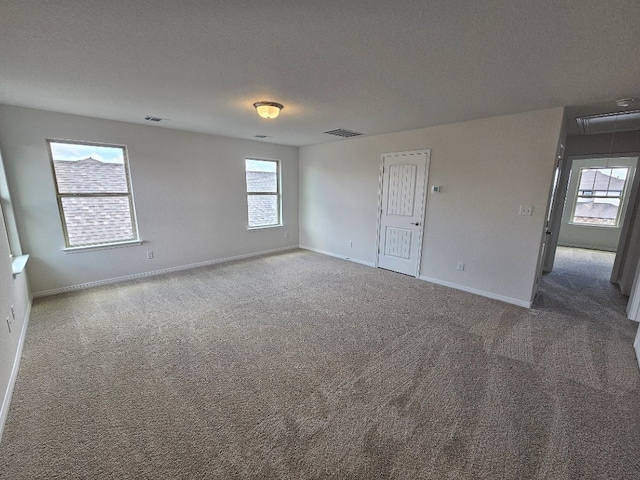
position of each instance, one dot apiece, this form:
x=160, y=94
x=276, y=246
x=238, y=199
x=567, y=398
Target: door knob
x=416, y=224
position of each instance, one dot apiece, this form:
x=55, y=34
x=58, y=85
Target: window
x=5, y=207
x=6, y=228
x=599, y=195
x=263, y=193
x=94, y=193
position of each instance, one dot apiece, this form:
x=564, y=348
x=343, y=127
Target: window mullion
x=94, y=195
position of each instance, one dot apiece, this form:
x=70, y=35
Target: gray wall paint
x=189, y=191
x=487, y=169
x=599, y=238
x=603, y=144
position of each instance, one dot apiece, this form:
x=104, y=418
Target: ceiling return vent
x=344, y=133
x=609, y=122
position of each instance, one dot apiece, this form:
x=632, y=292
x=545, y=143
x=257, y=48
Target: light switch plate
x=526, y=210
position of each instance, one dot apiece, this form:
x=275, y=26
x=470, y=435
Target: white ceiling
x=369, y=66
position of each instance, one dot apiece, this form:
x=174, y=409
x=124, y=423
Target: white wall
x=589, y=236
x=13, y=292
x=487, y=169
x=189, y=191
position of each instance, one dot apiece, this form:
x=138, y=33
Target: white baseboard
x=587, y=247
x=502, y=298
x=6, y=401
x=109, y=281
x=342, y=257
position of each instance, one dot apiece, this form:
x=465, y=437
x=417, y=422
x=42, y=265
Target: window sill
x=593, y=225
x=18, y=264
x=103, y=246
x=266, y=227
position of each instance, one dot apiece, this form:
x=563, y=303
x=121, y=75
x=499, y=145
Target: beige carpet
x=302, y=366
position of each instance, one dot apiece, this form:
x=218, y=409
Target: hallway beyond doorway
x=580, y=280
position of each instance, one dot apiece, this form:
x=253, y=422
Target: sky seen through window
x=74, y=152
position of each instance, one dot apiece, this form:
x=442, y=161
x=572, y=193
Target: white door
x=554, y=212
x=402, y=201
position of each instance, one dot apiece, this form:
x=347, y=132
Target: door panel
x=402, y=185
x=402, y=211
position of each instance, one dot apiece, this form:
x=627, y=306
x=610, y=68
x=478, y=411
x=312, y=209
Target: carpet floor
x=303, y=366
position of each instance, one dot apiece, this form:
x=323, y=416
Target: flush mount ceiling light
x=268, y=109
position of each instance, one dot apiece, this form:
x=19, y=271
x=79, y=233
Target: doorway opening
x=590, y=225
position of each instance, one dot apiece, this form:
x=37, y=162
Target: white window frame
x=6, y=228
x=6, y=209
x=106, y=243
x=277, y=194
x=592, y=195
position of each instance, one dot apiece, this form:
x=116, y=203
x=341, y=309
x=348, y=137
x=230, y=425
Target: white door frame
x=633, y=306
x=555, y=207
x=427, y=153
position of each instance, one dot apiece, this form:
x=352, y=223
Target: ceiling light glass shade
x=268, y=109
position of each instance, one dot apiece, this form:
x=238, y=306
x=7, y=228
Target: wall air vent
x=344, y=133
x=609, y=122
x=153, y=119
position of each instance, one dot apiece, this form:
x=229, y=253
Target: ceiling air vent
x=153, y=119
x=609, y=122
x=344, y=133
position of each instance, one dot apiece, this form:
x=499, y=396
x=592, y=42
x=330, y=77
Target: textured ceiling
x=369, y=66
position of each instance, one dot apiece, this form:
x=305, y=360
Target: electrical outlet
x=460, y=266
x=149, y=254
